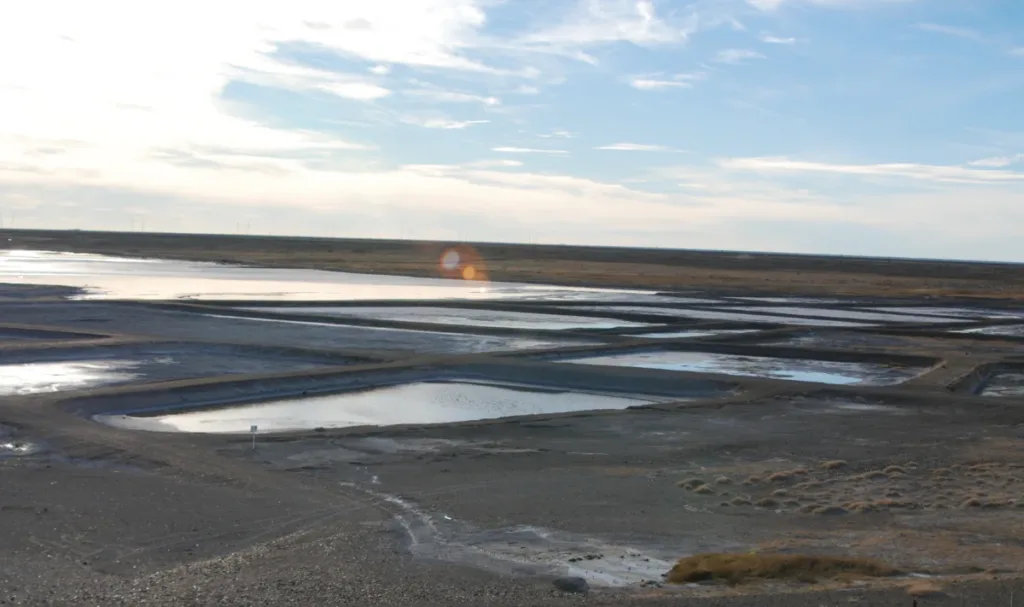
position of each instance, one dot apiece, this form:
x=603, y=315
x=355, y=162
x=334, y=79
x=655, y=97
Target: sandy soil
x=926, y=476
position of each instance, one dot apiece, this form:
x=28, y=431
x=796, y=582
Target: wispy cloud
x=266, y=72
x=950, y=30
x=495, y=164
x=557, y=135
x=771, y=5
x=441, y=123
x=451, y=96
x=924, y=172
x=635, y=147
x=518, y=150
x=769, y=39
x=597, y=22
x=998, y=162
x=661, y=81
x=734, y=56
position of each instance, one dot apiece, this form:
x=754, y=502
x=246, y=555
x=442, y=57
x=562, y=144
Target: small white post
x=252, y=430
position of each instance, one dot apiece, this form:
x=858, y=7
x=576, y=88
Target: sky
x=855, y=127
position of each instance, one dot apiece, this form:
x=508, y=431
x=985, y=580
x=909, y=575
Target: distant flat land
x=664, y=269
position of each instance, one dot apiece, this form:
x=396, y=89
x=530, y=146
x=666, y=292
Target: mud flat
x=453, y=448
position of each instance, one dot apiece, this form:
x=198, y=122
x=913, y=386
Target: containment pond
x=426, y=402
x=796, y=369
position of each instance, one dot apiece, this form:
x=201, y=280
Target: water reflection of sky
x=460, y=316
x=823, y=372
x=127, y=278
x=414, y=403
x=39, y=377
x=1005, y=385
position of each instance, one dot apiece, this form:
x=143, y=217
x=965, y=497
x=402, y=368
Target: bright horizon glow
x=850, y=127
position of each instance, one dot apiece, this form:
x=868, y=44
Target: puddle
x=458, y=316
x=955, y=312
x=413, y=403
x=1007, y=330
x=694, y=333
x=794, y=300
x=383, y=338
x=728, y=315
x=62, y=370
x=817, y=371
x=106, y=277
x=1005, y=385
x=13, y=334
x=11, y=446
x=851, y=314
x=36, y=378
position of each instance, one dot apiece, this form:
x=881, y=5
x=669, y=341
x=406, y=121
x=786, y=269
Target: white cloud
x=498, y=163
x=734, y=56
x=651, y=84
x=660, y=81
x=291, y=77
x=949, y=30
x=771, y=5
x=769, y=39
x=593, y=22
x=634, y=147
x=518, y=150
x=380, y=70
x=998, y=162
x=451, y=96
x=441, y=123
x=924, y=172
x=557, y=135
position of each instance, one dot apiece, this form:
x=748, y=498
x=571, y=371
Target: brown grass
x=834, y=464
x=924, y=588
x=738, y=568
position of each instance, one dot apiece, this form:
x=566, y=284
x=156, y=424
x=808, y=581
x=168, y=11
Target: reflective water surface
x=818, y=371
x=459, y=316
x=39, y=377
x=413, y=403
x=1006, y=385
x=106, y=277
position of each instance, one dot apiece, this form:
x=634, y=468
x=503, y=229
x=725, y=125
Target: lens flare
x=462, y=262
x=450, y=260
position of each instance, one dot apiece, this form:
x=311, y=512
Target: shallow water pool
x=423, y=402
x=817, y=371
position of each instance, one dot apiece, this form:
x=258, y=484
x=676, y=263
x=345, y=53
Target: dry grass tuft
x=690, y=483
x=834, y=464
x=894, y=470
x=704, y=490
x=737, y=568
x=740, y=501
x=767, y=503
x=872, y=475
x=924, y=588
x=785, y=475
x=829, y=511
x=723, y=480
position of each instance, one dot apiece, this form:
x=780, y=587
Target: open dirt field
x=178, y=433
